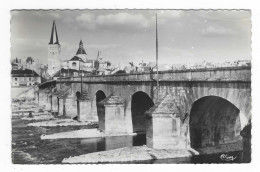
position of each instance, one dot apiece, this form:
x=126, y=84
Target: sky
x=123, y=36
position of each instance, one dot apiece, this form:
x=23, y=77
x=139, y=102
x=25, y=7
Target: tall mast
x=81, y=80
x=157, y=78
x=60, y=74
x=80, y=77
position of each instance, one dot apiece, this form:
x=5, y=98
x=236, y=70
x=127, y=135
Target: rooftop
x=76, y=58
x=24, y=73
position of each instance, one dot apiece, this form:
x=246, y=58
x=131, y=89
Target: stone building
x=81, y=62
x=24, y=77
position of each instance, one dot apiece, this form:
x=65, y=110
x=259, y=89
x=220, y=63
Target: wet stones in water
x=30, y=115
x=75, y=118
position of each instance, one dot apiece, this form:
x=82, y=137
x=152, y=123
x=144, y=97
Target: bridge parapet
x=216, y=74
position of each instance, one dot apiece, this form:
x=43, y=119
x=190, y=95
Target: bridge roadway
x=194, y=108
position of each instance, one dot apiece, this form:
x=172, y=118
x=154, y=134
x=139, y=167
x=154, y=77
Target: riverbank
x=42, y=117
x=129, y=154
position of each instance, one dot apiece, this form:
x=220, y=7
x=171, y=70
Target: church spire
x=54, y=29
x=81, y=49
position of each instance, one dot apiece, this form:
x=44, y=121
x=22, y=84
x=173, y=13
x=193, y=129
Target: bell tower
x=54, y=48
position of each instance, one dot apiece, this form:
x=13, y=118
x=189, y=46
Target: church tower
x=81, y=51
x=54, y=48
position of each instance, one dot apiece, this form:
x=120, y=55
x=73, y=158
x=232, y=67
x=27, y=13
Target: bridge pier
x=61, y=106
x=111, y=117
x=243, y=120
x=164, y=127
x=94, y=111
x=55, y=102
x=101, y=116
x=69, y=107
x=42, y=98
x=37, y=96
x=48, y=103
x=85, y=110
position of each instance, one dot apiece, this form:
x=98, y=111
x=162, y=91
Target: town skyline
x=129, y=35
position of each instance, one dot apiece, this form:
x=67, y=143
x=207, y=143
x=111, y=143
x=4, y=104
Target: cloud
x=216, y=31
x=68, y=20
x=125, y=20
x=87, y=20
x=137, y=20
x=121, y=20
x=20, y=41
x=86, y=17
x=165, y=15
x=55, y=15
x=103, y=46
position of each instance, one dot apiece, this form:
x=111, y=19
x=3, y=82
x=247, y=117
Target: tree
x=132, y=64
x=29, y=59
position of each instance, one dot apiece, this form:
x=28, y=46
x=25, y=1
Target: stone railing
x=215, y=74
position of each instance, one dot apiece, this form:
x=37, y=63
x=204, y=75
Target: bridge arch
x=140, y=103
x=213, y=121
x=241, y=98
x=100, y=95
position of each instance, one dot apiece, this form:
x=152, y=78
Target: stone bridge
x=189, y=108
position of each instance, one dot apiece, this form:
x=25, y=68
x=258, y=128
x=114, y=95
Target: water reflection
x=91, y=145
x=118, y=142
x=110, y=143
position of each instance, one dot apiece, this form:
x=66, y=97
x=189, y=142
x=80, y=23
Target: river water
x=28, y=148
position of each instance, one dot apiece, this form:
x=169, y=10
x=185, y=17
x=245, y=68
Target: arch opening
x=140, y=103
x=214, y=121
x=100, y=95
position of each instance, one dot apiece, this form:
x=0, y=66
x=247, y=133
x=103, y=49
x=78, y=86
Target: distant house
x=16, y=64
x=144, y=67
x=90, y=65
x=104, y=68
x=24, y=77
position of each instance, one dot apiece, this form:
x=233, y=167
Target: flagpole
x=157, y=78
